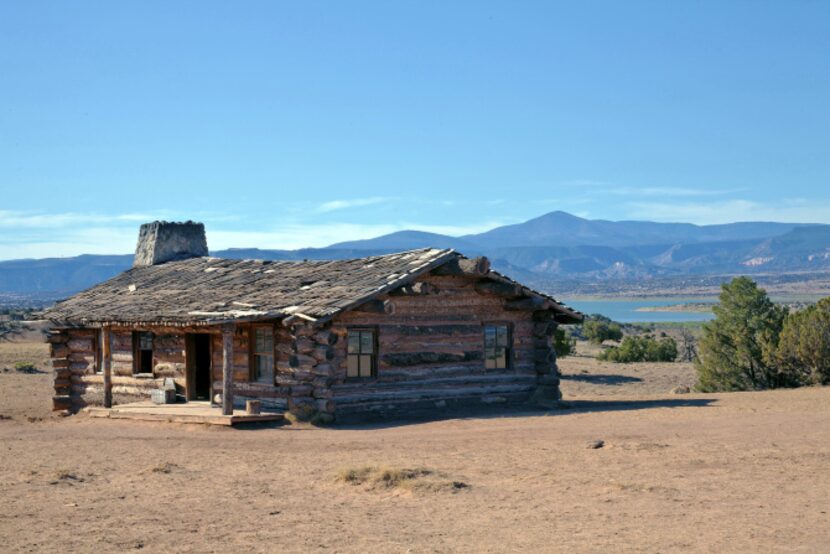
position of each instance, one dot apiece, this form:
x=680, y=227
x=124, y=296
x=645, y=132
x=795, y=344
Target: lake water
x=625, y=310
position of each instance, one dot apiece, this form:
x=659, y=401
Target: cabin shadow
x=564, y=408
x=601, y=378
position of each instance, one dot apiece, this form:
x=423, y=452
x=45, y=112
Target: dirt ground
x=742, y=472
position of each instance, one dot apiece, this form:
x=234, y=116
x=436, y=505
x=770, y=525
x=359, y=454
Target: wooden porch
x=190, y=412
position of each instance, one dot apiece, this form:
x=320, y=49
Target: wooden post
x=106, y=365
x=227, y=368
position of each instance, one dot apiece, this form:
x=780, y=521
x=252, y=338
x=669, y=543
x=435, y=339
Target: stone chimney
x=164, y=241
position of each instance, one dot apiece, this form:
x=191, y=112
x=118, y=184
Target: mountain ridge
x=551, y=247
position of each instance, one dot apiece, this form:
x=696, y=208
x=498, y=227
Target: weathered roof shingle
x=204, y=291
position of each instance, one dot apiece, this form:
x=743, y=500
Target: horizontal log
x=59, y=351
x=324, y=370
x=325, y=405
x=432, y=393
x=498, y=288
x=544, y=315
x=302, y=330
x=415, y=289
x=441, y=330
x=302, y=361
x=78, y=367
x=544, y=367
x=60, y=363
x=57, y=338
x=62, y=373
x=417, y=358
x=303, y=345
x=544, y=329
x=530, y=304
x=323, y=353
x=321, y=382
x=541, y=355
x=322, y=392
x=326, y=337
x=80, y=345
x=464, y=266
x=376, y=307
x=62, y=402
x=551, y=379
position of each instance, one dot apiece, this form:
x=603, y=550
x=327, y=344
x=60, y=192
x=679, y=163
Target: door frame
x=190, y=365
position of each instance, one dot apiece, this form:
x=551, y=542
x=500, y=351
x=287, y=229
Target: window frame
x=253, y=354
x=508, y=348
x=373, y=370
x=137, y=350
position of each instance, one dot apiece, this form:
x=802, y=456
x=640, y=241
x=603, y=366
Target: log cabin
x=389, y=336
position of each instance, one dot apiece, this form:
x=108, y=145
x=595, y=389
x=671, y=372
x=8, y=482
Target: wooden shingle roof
x=207, y=291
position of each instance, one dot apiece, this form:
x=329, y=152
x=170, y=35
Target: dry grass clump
x=65, y=476
x=163, y=467
x=410, y=479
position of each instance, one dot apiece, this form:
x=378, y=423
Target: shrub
x=804, y=344
x=738, y=347
x=563, y=343
x=641, y=349
x=25, y=367
x=599, y=331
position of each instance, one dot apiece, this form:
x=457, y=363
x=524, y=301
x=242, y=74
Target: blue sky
x=283, y=125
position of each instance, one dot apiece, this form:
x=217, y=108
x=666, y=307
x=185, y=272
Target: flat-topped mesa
x=164, y=241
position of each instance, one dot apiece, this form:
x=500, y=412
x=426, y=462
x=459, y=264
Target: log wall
x=431, y=350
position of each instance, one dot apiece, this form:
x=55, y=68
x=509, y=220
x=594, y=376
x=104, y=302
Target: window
x=361, y=351
x=142, y=352
x=496, y=347
x=262, y=354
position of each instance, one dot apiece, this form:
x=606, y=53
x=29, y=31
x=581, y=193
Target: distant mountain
x=556, y=247
x=564, y=229
x=407, y=240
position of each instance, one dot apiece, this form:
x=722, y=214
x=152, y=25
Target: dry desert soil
x=743, y=472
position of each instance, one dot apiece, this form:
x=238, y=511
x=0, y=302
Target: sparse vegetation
x=564, y=343
x=11, y=322
x=804, y=344
x=26, y=367
x=411, y=479
x=641, y=349
x=598, y=329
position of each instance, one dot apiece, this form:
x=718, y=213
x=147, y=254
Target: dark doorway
x=198, y=366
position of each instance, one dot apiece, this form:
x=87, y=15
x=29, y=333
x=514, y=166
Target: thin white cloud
x=42, y=220
x=729, y=211
x=334, y=205
x=669, y=191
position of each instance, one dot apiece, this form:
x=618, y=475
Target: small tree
x=737, y=350
x=804, y=345
x=688, y=346
x=599, y=331
x=563, y=343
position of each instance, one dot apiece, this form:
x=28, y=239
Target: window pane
x=264, y=340
x=351, y=366
x=145, y=341
x=366, y=342
x=354, y=342
x=501, y=359
x=264, y=368
x=490, y=363
x=365, y=365
x=501, y=332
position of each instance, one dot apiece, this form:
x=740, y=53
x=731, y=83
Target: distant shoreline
x=691, y=307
